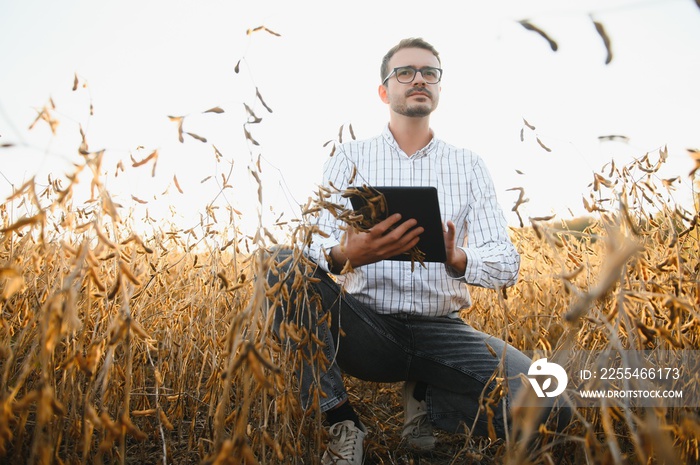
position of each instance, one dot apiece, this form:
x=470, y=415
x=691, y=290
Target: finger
x=450, y=236
x=403, y=234
x=386, y=224
x=400, y=239
x=404, y=244
x=408, y=226
x=449, y=230
x=393, y=226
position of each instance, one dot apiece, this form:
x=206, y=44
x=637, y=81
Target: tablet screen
x=420, y=203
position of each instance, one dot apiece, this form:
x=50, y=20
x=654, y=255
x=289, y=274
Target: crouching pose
x=388, y=322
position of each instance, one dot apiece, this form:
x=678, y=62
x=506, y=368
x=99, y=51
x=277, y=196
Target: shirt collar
x=389, y=139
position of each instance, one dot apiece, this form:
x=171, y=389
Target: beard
x=415, y=110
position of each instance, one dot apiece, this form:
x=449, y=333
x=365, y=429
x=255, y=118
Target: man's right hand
x=379, y=243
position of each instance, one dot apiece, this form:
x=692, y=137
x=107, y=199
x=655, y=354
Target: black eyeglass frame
x=415, y=73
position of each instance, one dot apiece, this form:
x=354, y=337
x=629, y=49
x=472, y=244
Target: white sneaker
x=345, y=446
x=417, y=429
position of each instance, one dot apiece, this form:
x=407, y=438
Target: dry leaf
x=120, y=167
x=606, y=40
x=215, y=110
x=543, y=218
x=23, y=222
x=610, y=275
x=542, y=145
x=217, y=153
x=262, y=28
x=669, y=182
x=614, y=137
x=14, y=282
x=177, y=184
x=521, y=200
x=152, y=156
x=255, y=119
x=199, y=138
x=531, y=27
x=257, y=94
x=249, y=137
x=178, y=120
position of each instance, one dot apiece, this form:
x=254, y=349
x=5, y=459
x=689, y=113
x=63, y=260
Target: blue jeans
x=445, y=353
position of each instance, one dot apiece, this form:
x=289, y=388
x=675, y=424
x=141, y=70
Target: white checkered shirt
x=467, y=197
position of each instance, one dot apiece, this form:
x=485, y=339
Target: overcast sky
x=139, y=62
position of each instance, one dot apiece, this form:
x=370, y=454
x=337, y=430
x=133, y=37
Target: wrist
x=458, y=261
x=337, y=260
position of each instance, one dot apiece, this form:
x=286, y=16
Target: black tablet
x=419, y=203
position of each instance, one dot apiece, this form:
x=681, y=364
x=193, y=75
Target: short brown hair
x=413, y=42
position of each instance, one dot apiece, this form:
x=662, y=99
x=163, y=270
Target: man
x=390, y=323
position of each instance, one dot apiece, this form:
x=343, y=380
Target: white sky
x=145, y=60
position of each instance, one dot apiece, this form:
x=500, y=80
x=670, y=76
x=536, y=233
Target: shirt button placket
x=408, y=287
x=409, y=180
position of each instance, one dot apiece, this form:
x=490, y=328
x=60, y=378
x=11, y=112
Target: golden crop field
x=118, y=346
x=123, y=348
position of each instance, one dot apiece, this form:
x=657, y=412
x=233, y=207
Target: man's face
x=417, y=98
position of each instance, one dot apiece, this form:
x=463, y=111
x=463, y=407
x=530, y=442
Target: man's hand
x=380, y=243
x=456, y=258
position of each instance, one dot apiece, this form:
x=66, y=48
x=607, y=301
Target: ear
x=382, y=90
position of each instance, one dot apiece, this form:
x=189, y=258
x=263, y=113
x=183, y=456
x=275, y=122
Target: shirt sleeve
x=336, y=173
x=492, y=259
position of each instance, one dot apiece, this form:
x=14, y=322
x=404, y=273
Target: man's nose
x=419, y=80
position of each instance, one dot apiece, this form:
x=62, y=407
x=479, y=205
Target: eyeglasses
x=406, y=74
